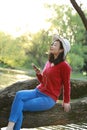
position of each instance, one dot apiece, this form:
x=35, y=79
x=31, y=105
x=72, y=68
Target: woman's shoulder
x=65, y=64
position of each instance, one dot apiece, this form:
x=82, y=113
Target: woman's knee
x=19, y=94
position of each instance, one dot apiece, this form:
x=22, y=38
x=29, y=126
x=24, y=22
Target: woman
x=55, y=75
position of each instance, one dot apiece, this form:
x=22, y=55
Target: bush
x=76, y=62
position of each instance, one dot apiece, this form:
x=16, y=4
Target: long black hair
x=60, y=57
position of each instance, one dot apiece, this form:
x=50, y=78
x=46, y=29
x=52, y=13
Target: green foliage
x=66, y=22
x=39, y=48
x=11, y=52
x=22, y=51
x=76, y=62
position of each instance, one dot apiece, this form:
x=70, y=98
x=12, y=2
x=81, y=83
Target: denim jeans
x=28, y=100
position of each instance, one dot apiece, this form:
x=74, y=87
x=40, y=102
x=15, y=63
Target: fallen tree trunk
x=54, y=116
x=78, y=88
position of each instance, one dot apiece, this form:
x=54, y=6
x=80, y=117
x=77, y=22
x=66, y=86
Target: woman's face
x=55, y=48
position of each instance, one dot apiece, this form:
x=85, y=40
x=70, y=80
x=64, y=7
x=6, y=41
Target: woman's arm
x=65, y=72
x=39, y=74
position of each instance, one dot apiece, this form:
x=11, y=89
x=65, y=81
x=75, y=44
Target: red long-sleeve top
x=53, y=78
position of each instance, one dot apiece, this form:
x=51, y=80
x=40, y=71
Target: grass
x=9, y=76
x=78, y=75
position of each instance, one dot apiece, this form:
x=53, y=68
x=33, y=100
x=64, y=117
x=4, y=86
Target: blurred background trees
x=21, y=51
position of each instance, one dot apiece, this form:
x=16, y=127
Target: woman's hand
x=37, y=70
x=67, y=107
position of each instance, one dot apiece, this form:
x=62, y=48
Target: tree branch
x=80, y=12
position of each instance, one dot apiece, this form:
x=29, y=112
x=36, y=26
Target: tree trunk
x=54, y=116
x=80, y=12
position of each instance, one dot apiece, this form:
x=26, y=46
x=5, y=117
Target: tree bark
x=54, y=116
x=80, y=12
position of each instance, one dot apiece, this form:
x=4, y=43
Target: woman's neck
x=55, y=56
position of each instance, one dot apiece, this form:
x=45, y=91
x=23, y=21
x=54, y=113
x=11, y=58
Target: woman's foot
x=10, y=126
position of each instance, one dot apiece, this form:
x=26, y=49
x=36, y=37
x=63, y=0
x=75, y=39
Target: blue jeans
x=28, y=100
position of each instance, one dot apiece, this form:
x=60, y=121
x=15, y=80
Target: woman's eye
x=54, y=44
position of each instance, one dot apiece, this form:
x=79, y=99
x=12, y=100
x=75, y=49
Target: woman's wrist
x=38, y=73
x=67, y=107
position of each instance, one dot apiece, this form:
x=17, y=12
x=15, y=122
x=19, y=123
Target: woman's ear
x=61, y=50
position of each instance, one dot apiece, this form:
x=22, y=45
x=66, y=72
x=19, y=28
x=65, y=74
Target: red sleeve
x=65, y=72
x=40, y=76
